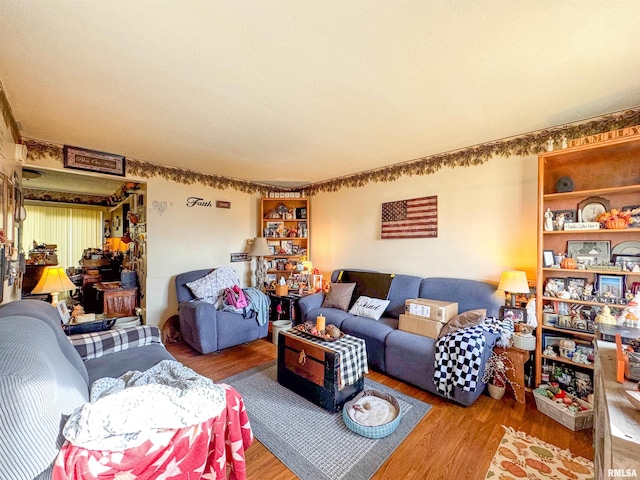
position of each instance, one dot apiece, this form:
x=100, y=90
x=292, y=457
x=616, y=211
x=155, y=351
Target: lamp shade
x=260, y=248
x=513, y=281
x=54, y=280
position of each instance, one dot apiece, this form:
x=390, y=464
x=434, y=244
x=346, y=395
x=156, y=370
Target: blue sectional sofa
x=43, y=379
x=407, y=356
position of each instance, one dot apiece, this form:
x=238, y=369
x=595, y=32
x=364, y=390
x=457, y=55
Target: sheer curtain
x=71, y=228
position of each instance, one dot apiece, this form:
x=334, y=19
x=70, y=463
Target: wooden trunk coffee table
x=325, y=373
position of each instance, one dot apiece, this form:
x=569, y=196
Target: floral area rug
x=522, y=456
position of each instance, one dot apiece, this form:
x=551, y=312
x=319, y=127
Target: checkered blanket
x=95, y=345
x=353, y=355
x=458, y=359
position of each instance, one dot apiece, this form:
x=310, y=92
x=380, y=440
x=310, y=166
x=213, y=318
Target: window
x=72, y=229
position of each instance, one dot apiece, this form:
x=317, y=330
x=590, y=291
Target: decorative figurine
x=548, y=220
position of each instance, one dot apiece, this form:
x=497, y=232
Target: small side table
x=518, y=358
x=284, y=307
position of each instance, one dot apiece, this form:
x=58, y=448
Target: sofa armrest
x=98, y=344
x=199, y=325
x=310, y=302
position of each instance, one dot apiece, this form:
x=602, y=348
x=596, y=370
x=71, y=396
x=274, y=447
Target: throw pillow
x=369, y=307
x=339, y=296
x=210, y=288
x=464, y=320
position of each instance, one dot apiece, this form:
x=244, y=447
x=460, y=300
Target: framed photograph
x=584, y=261
x=601, y=249
x=547, y=258
x=286, y=247
x=63, y=311
x=611, y=285
x=296, y=249
x=93, y=161
x=575, y=286
x=627, y=262
x=634, y=210
x=560, y=217
x=552, y=341
x=555, y=284
x=515, y=314
x=273, y=229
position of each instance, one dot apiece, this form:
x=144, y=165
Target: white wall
x=183, y=238
x=487, y=218
x=486, y=224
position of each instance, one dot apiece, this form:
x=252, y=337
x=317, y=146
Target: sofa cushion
x=374, y=333
x=339, y=296
x=369, y=307
x=39, y=387
x=464, y=320
x=469, y=294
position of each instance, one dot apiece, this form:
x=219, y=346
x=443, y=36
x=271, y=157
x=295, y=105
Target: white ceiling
x=306, y=90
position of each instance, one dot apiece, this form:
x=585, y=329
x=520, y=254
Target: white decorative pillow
x=211, y=287
x=369, y=307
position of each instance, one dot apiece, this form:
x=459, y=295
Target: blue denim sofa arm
x=310, y=302
x=199, y=325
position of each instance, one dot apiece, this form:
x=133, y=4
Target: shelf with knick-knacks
x=284, y=222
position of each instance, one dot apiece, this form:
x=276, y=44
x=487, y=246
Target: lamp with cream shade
x=260, y=249
x=53, y=281
x=513, y=281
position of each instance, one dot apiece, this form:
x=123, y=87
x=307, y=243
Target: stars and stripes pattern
x=414, y=218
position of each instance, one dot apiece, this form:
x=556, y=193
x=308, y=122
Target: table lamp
x=260, y=249
x=53, y=281
x=513, y=281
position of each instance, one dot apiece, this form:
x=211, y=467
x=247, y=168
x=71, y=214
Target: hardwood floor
x=451, y=442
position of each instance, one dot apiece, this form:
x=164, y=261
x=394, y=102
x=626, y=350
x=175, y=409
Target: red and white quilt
x=210, y=449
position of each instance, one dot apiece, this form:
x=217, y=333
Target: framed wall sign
x=93, y=161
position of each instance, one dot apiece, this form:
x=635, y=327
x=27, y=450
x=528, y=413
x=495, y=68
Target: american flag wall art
x=415, y=218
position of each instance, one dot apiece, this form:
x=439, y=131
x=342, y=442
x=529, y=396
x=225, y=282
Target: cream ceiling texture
x=306, y=90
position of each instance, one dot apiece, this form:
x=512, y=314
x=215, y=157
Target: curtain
x=72, y=229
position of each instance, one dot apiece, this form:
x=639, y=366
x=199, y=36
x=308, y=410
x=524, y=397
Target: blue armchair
x=207, y=329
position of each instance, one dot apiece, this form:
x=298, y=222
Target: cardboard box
x=420, y=325
x=431, y=309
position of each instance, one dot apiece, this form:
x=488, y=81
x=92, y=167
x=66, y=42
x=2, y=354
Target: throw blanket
x=130, y=431
x=258, y=302
x=458, y=359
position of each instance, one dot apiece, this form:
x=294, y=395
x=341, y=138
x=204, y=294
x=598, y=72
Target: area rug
x=312, y=442
x=523, y=456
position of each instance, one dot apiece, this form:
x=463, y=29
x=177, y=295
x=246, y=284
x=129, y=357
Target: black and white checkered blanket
x=353, y=355
x=97, y=344
x=458, y=359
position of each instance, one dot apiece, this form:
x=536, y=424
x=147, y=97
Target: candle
x=320, y=322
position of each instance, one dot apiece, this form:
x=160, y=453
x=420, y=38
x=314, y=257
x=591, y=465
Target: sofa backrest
x=469, y=294
x=402, y=287
x=47, y=314
x=184, y=293
x=40, y=385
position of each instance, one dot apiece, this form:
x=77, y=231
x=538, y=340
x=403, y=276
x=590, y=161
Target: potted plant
x=496, y=374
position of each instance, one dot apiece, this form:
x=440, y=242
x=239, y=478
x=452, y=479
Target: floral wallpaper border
x=520, y=145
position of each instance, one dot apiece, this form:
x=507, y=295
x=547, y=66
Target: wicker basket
x=378, y=431
x=561, y=414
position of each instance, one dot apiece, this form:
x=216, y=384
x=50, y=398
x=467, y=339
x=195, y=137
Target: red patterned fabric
x=201, y=451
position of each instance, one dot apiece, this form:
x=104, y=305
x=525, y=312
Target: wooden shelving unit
x=611, y=170
x=290, y=241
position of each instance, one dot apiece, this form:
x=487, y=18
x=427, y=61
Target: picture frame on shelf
x=515, y=314
x=627, y=262
x=583, y=261
x=611, y=285
x=575, y=286
x=286, y=247
x=554, y=285
x=272, y=229
x=634, y=210
x=560, y=217
x=591, y=207
x=548, y=260
x=601, y=249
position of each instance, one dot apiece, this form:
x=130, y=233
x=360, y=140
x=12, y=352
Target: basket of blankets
x=372, y=414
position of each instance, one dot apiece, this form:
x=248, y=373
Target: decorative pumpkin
x=568, y=262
